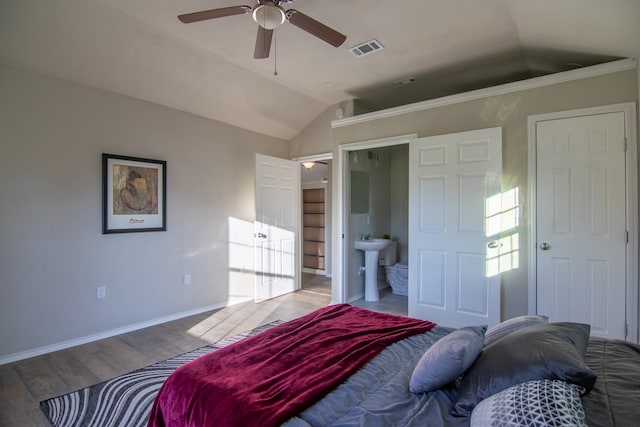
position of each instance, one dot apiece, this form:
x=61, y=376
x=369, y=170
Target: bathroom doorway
x=385, y=165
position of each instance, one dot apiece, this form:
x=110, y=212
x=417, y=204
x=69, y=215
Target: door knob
x=545, y=246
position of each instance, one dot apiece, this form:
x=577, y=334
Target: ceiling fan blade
x=315, y=28
x=214, y=13
x=263, y=43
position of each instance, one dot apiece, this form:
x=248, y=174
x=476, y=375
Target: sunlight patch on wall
x=240, y=279
x=241, y=276
x=503, y=212
x=503, y=217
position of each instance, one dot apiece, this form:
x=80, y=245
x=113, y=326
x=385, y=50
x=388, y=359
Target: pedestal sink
x=371, y=249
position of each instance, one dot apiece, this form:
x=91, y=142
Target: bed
x=347, y=366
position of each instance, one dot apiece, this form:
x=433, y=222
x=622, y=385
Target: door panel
x=581, y=221
x=277, y=226
x=451, y=178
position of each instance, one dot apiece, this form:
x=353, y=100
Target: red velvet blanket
x=266, y=379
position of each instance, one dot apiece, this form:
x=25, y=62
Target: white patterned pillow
x=540, y=403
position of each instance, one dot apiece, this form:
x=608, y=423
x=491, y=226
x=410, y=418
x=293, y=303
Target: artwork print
x=135, y=190
x=134, y=194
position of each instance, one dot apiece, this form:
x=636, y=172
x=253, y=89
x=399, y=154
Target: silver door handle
x=545, y=246
x=493, y=244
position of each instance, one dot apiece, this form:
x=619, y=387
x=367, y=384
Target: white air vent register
x=366, y=48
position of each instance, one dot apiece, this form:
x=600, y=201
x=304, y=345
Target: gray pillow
x=552, y=351
x=540, y=403
x=447, y=359
x=502, y=329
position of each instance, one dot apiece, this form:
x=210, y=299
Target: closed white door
x=581, y=221
x=277, y=227
x=454, y=183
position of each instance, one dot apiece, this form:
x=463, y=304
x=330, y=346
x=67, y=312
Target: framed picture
x=134, y=194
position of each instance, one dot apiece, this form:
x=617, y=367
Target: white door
x=454, y=183
x=581, y=221
x=277, y=226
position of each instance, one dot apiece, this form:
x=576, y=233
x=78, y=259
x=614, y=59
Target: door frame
x=632, y=285
x=341, y=172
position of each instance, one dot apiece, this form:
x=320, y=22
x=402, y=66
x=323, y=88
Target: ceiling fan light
x=269, y=16
x=308, y=165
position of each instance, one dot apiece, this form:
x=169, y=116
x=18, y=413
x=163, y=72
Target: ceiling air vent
x=366, y=48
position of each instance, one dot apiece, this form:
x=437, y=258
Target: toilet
x=397, y=274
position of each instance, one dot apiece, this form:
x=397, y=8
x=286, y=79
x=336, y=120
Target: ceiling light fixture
x=269, y=15
x=308, y=165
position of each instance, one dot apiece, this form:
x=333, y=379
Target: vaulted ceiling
x=432, y=48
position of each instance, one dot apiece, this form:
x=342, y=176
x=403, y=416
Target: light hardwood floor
x=25, y=383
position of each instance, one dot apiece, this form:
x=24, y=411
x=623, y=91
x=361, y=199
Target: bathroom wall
x=399, y=199
x=380, y=197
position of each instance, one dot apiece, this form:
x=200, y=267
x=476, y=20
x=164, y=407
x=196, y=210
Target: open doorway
x=315, y=179
x=375, y=217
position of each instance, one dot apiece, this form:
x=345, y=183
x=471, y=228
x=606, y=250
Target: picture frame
x=134, y=194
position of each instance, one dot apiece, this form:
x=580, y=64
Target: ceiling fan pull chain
x=275, y=53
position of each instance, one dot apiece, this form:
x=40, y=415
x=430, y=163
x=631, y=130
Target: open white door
x=277, y=227
x=454, y=186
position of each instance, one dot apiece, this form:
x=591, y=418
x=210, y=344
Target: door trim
x=632, y=291
x=339, y=259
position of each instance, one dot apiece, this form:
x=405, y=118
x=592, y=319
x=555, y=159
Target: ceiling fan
x=269, y=15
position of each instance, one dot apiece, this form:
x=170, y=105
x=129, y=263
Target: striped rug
x=125, y=400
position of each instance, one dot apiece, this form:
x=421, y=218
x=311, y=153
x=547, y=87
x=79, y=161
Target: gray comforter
x=615, y=398
x=378, y=394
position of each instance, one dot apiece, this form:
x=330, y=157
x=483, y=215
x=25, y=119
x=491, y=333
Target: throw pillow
x=541, y=403
x=447, y=359
x=502, y=329
x=546, y=351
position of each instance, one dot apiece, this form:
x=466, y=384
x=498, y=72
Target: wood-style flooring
x=25, y=383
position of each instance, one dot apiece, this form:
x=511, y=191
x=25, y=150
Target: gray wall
x=510, y=111
x=53, y=255
x=399, y=199
x=316, y=137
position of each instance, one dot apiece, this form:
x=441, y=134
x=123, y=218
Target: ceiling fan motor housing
x=269, y=15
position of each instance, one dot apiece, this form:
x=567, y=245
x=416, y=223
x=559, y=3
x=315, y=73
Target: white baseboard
x=14, y=357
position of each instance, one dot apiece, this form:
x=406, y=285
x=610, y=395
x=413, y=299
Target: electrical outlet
x=186, y=279
x=101, y=292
